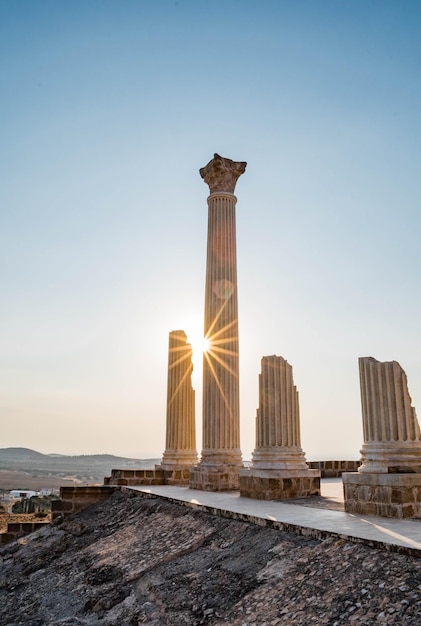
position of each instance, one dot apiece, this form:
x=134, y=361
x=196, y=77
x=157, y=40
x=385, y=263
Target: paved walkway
x=303, y=518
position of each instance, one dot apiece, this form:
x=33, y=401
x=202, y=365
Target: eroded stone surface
x=131, y=561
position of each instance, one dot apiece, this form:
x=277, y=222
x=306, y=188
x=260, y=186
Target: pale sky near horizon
x=108, y=110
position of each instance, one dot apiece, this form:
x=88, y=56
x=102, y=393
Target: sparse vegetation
x=40, y=505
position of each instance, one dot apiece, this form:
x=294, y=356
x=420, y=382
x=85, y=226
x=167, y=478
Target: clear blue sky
x=108, y=110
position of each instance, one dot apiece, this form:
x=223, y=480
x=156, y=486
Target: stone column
x=278, y=438
x=221, y=454
x=392, y=441
x=388, y=482
x=279, y=468
x=180, y=445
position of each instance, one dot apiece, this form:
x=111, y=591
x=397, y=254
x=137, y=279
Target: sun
x=192, y=324
x=204, y=345
x=199, y=344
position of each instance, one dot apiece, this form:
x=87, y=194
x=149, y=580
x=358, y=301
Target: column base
x=386, y=457
x=279, y=458
x=279, y=484
x=215, y=477
x=384, y=495
x=176, y=458
x=175, y=474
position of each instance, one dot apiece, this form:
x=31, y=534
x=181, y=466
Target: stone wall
x=145, y=477
x=334, y=469
x=135, y=477
x=19, y=529
x=180, y=476
x=74, y=499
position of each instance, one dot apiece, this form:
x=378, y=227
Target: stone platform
x=302, y=518
x=279, y=484
x=386, y=495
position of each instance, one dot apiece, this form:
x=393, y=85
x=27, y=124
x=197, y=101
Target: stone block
x=208, y=478
x=13, y=527
x=382, y=494
x=386, y=495
x=279, y=484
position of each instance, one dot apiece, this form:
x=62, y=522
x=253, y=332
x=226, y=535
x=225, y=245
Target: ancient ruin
x=180, y=448
x=180, y=440
x=221, y=454
x=278, y=468
x=388, y=483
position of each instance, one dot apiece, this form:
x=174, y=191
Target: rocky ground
x=131, y=561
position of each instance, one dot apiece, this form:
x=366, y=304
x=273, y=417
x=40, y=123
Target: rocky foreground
x=131, y=561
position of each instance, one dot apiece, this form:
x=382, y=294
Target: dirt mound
x=130, y=561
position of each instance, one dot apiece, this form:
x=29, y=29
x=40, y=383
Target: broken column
x=180, y=444
x=388, y=483
x=278, y=469
x=180, y=440
x=221, y=459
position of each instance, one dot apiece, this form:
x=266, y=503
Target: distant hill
x=84, y=468
x=20, y=453
x=28, y=454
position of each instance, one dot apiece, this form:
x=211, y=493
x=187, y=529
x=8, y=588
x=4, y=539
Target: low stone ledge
x=20, y=529
x=74, y=499
x=334, y=469
x=179, y=475
x=384, y=495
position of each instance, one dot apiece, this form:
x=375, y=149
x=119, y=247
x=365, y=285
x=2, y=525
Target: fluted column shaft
x=278, y=439
x=221, y=428
x=180, y=443
x=278, y=415
x=392, y=441
x=386, y=403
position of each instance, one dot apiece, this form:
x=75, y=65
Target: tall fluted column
x=180, y=448
x=221, y=430
x=221, y=454
x=392, y=440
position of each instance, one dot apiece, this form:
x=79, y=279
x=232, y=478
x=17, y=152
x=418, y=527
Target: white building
x=22, y=493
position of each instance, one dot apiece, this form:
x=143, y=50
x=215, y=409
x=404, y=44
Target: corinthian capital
x=222, y=174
